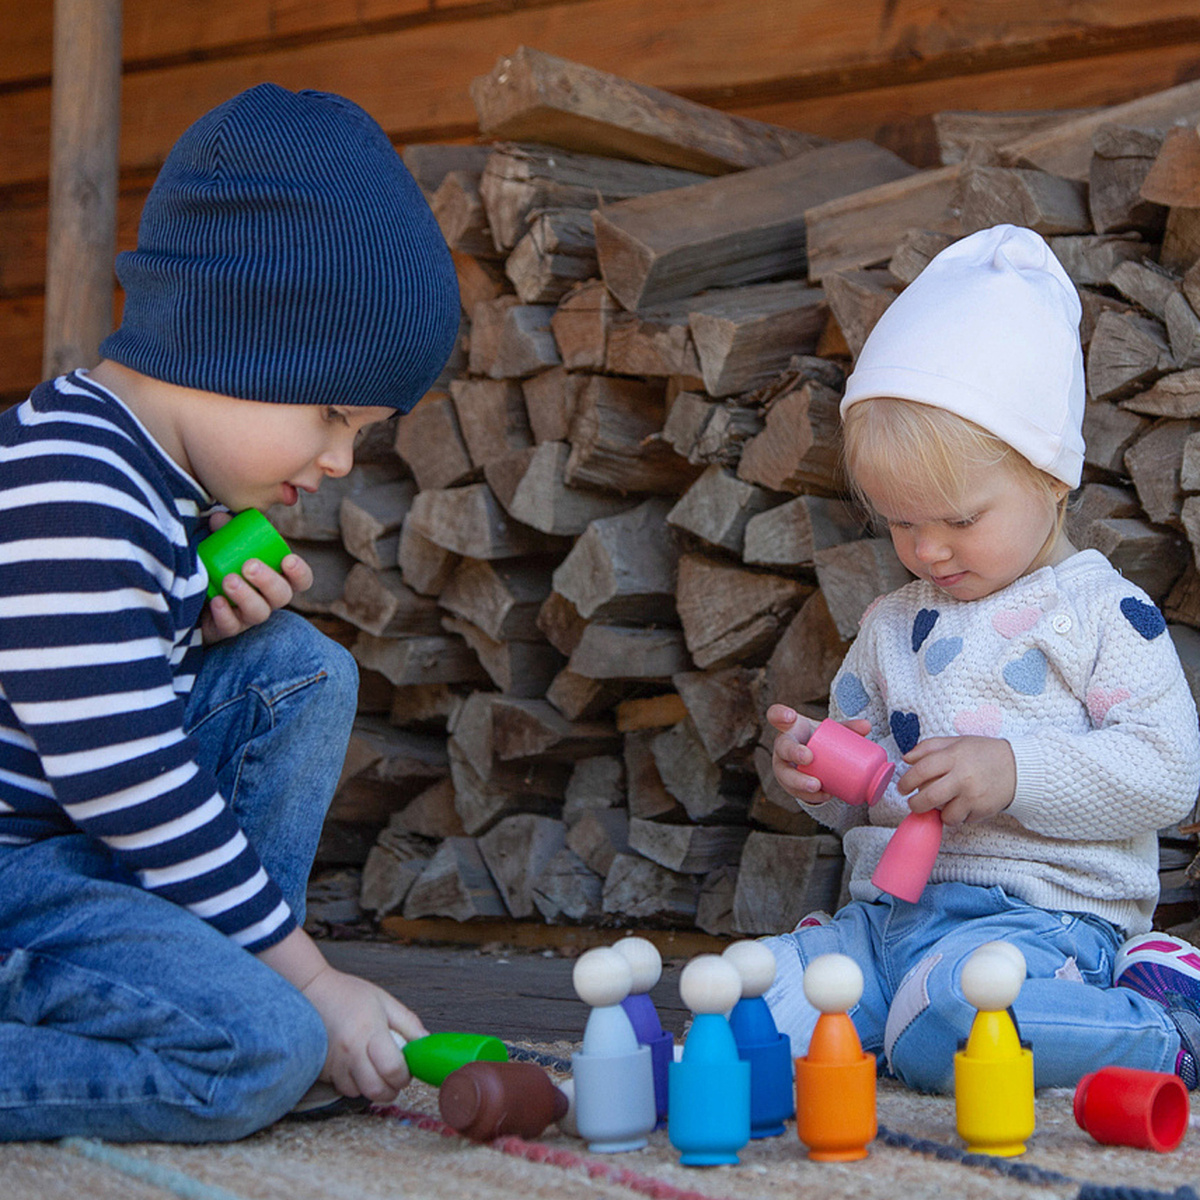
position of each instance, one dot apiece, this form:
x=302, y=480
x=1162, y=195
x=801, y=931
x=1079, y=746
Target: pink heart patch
x=984, y=721
x=1013, y=621
x=1100, y=701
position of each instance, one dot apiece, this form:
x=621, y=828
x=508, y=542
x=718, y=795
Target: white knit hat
x=990, y=331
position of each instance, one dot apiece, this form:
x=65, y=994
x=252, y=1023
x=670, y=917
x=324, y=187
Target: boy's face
x=1000, y=530
x=249, y=454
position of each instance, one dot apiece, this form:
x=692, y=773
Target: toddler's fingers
x=782, y=717
x=297, y=572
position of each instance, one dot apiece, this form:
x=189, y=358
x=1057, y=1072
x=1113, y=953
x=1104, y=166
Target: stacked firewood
x=577, y=573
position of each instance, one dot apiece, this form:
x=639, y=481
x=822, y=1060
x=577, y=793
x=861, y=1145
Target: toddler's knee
x=922, y=1031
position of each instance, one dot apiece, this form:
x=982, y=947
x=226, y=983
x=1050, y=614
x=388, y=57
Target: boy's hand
x=363, y=1058
x=251, y=597
x=791, y=753
x=968, y=778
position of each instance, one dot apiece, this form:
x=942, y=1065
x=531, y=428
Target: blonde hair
x=908, y=448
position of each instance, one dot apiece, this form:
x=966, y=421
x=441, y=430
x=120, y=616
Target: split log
x=510, y=339
x=1182, y=605
x=504, y=474
x=705, y=431
x=557, y=252
x=598, y=836
x=1153, y=463
x=424, y=565
x=581, y=324
x=865, y=227
x=1172, y=179
x=596, y=783
x=732, y=615
x=394, y=864
x=725, y=707
x=1183, y=331
x=479, y=280
x=718, y=507
x=385, y=767
x=455, y=884
x=1121, y=159
x=1189, y=468
x=709, y=793
x=501, y=598
x=481, y=802
x=714, y=909
x=381, y=603
x=623, y=567
x=560, y=621
x=1152, y=557
x=430, y=162
x=430, y=814
x=469, y=521
x=1098, y=502
x=857, y=299
x=579, y=698
x=650, y=712
x=787, y=536
x=458, y=209
x=914, y=251
x=518, y=669
x=638, y=889
x=781, y=879
x=545, y=501
x=729, y=231
x=404, y=661
x=853, y=575
x=1145, y=283
x=492, y=417
x=1090, y=259
x=688, y=849
x=516, y=851
x=1109, y=430
x=550, y=403
x=799, y=449
x=807, y=656
x=616, y=440
x=534, y=96
x=331, y=567
x=429, y=440
x=519, y=180
x=621, y=652
x=1180, y=247
x=961, y=133
x=647, y=796
x=785, y=817
x=1047, y=204
x=746, y=336
x=567, y=890
x=370, y=522
x=653, y=341
x=1126, y=354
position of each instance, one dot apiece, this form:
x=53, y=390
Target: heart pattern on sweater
x=942, y=653
x=1027, y=674
x=906, y=729
x=1099, y=701
x=923, y=624
x=852, y=697
x=1145, y=618
x=984, y=721
x=1010, y=622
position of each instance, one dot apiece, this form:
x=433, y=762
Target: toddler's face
x=999, y=530
x=250, y=454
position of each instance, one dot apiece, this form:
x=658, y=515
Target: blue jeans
x=125, y=1017
x=912, y=1014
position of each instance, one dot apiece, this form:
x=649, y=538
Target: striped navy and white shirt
x=100, y=598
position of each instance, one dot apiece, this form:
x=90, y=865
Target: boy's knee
x=923, y=1029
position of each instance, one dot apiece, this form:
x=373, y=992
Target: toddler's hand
x=363, y=1057
x=791, y=754
x=968, y=778
x=251, y=597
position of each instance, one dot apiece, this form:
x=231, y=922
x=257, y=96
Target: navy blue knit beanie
x=285, y=254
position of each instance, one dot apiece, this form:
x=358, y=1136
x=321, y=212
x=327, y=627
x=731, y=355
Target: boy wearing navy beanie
x=166, y=762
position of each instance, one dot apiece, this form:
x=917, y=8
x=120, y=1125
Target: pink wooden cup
x=849, y=766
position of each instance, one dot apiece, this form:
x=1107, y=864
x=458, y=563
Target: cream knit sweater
x=1073, y=666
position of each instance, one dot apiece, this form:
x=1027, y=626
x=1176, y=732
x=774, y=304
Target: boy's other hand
x=251, y=597
x=968, y=778
x=790, y=754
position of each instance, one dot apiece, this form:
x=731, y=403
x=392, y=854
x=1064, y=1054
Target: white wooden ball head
x=644, y=960
x=1008, y=949
x=991, y=979
x=754, y=963
x=833, y=983
x=602, y=977
x=710, y=984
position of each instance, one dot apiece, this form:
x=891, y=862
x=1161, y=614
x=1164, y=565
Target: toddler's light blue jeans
x=123, y=1016
x=913, y=1015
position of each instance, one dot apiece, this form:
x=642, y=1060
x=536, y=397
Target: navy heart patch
x=923, y=624
x=906, y=729
x=1145, y=618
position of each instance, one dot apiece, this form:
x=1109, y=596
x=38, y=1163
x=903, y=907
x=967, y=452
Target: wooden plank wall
x=843, y=68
